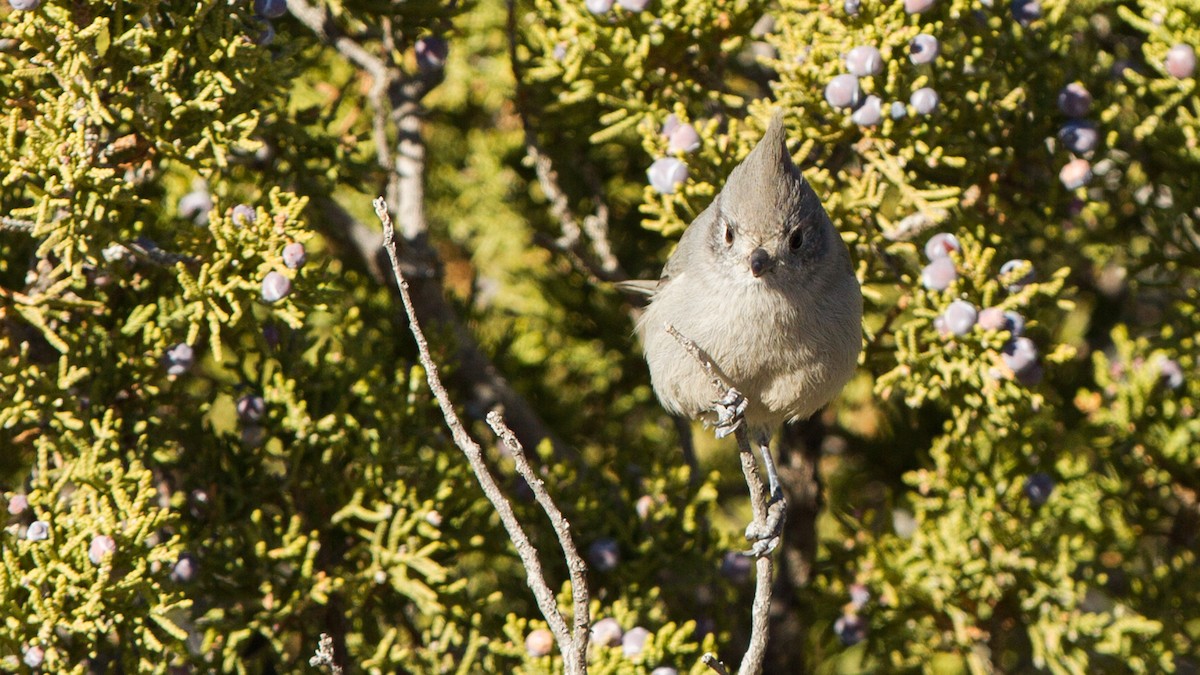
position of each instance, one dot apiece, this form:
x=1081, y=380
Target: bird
x=763, y=284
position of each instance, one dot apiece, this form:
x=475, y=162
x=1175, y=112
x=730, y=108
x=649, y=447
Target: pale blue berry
x=634, y=641
x=1012, y=267
x=1075, y=174
x=666, y=174
x=634, y=5
x=33, y=655
x=842, y=91
x=294, y=256
x=17, y=504
x=917, y=6
x=939, y=274
x=195, y=206
x=1079, y=136
x=431, y=52
x=275, y=287
x=607, y=632
x=1020, y=355
x=1181, y=61
x=251, y=408
x=271, y=9
x=923, y=49
x=850, y=629
x=184, y=569
x=179, y=359
x=924, y=100
x=598, y=6
x=604, y=554
x=941, y=245
x=683, y=138
x=870, y=113
x=1171, y=373
x=851, y=7
x=1026, y=11
x=864, y=60
x=664, y=670
x=539, y=643
x=243, y=214
x=102, y=546
x=960, y=317
x=1074, y=100
x=24, y=5
x=38, y=530
x=1038, y=487
x=898, y=110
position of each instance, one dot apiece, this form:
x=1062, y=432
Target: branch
x=321, y=22
x=562, y=528
x=752, y=662
x=601, y=263
x=525, y=549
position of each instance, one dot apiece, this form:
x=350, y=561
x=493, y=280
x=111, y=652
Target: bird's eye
x=728, y=234
x=796, y=239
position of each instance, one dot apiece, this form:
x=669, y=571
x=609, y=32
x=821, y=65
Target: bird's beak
x=760, y=262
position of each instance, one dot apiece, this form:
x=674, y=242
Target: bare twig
x=324, y=656
x=752, y=662
x=712, y=662
x=525, y=549
x=601, y=262
x=576, y=567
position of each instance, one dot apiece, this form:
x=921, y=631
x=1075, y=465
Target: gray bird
x=762, y=282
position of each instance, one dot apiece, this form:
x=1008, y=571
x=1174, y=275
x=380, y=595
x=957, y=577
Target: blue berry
x=294, y=256
x=560, y=51
x=960, y=317
x=431, y=52
x=670, y=125
x=634, y=5
x=539, y=643
x=33, y=655
x=996, y=319
x=1074, y=100
x=917, y=6
x=1079, y=136
x=179, y=359
x=267, y=35
x=275, y=287
x=1075, y=174
x=1171, y=372
x=251, y=408
x=1026, y=11
x=184, y=569
x=17, y=504
x=941, y=245
x=842, y=91
x=634, y=641
x=604, y=554
x=102, y=546
x=664, y=670
x=864, y=60
x=243, y=214
x=666, y=174
x=1038, y=487
x=1020, y=355
x=1014, y=284
x=195, y=206
x=272, y=9
x=850, y=629
x=1181, y=61
x=599, y=6
x=939, y=274
x=24, y=5
x=851, y=7
x=859, y=596
x=898, y=110
x=924, y=100
x=38, y=530
x=607, y=632
x=683, y=138
x=923, y=49
x=870, y=113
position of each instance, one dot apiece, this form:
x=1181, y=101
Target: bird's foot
x=765, y=534
x=730, y=411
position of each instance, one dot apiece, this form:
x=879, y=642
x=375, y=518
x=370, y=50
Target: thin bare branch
x=714, y=663
x=474, y=454
x=576, y=567
x=321, y=22
x=601, y=262
x=752, y=662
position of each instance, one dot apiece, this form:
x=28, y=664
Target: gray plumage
x=763, y=283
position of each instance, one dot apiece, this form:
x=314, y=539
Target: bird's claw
x=730, y=411
x=765, y=534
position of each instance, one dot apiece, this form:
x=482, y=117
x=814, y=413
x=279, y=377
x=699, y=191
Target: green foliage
x=132, y=130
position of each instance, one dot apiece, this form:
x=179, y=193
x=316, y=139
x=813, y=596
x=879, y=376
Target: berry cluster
x=845, y=93
x=960, y=317
x=666, y=174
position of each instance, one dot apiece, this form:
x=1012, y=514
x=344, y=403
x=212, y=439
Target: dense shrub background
x=294, y=478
